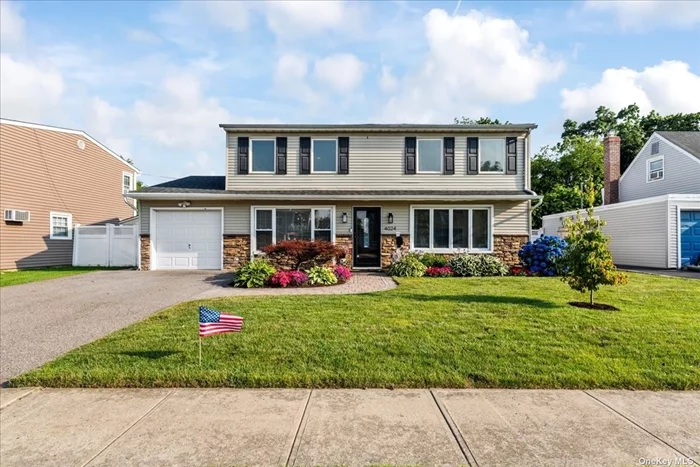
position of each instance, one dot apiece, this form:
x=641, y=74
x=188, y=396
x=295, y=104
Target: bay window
x=446, y=229
x=272, y=225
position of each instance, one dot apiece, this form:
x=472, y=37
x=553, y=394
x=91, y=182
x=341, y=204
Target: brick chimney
x=611, y=161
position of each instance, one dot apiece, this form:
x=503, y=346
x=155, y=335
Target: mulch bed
x=595, y=306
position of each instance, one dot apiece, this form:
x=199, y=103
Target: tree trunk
x=591, y=297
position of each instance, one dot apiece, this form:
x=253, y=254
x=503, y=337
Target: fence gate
x=105, y=245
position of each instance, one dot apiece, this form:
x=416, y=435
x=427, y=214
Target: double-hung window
x=61, y=225
x=492, y=155
x=272, y=225
x=655, y=169
x=127, y=185
x=446, y=229
x=429, y=156
x=324, y=155
x=262, y=156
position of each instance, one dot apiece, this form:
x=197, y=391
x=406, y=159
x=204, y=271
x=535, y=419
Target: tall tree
x=633, y=128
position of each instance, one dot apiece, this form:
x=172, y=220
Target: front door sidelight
x=367, y=239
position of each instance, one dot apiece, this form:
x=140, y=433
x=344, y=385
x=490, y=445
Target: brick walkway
x=362, y=282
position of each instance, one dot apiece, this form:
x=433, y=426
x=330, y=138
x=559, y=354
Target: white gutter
x=635, y=202
x=293, y=196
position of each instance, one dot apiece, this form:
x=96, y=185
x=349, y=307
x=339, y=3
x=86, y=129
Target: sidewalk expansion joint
x=7, y=404
x=296, y=444
x=456, y=433
x=128, y=428
x=639, y=426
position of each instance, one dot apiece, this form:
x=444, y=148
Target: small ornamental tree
x=302, y=252
x=587, y=262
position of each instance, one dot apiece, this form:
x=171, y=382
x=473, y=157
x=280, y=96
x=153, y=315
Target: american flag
x=212, y=322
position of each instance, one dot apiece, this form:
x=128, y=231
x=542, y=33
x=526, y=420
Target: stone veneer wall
x=145, y=253
x=236, y=251
x=346, y=242
x=389, y=246
x=506, y=247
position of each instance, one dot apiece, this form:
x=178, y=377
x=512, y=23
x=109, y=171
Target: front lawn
x=32, y=275
x=510, y=332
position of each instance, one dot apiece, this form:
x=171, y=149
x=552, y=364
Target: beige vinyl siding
x=681, y=173
x=639, y=233
x=510, y=217
x=376, y=163
x=43, y=171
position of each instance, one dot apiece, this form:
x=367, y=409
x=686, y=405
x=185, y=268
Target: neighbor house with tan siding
x=441, y=188
x=52, y=179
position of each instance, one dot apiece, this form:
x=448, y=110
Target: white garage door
x=188, y=240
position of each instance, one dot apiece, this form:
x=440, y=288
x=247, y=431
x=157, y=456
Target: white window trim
x=131, y=181
x=253, y=227
x=314, y=171
x=274, y=156
x=441, y=156
x=70, y=225
x=505, y=158
x=663, y=169
x=451, y=207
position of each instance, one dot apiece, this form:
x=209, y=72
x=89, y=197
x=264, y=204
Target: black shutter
x=472, y=156
x=305, y=155
x=344, y=155
x=242, y=155
x=511, y=156
x=281, y=156
x=410, y=151
x=449, y=155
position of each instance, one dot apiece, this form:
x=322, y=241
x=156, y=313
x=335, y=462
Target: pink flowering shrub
x=439, y=271
x=342, y=273
x=287, y=278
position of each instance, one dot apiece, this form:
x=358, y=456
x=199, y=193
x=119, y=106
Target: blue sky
x=153, y=80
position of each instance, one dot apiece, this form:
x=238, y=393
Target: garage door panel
x=690, y=237
x=188, y=239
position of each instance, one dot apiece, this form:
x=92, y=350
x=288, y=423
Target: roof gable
x=686, y=140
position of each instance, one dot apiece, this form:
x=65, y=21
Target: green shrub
x=407, y=266
x=477, y=265
x=321, y=275
x=432, y=260
x=254, y=274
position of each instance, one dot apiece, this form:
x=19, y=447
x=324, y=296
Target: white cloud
x=473, y=61
x=649, y=14
x=307, y=17
x=143, y=36
x=232, y=15
x=387, y=81
x=11, y=24
x=290, y=78
x=669, y=87
x=341, y=72
x=28, y=91
x=201, y=164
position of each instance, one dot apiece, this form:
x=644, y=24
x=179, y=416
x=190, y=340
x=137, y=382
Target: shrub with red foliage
x=306, y=251
x=436, y=271
x=520, y=271
x=342, y=273
x=285, y=278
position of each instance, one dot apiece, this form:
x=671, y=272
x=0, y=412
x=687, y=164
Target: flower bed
x=260, y=273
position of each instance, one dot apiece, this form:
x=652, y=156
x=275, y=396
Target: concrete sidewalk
x=152, y=427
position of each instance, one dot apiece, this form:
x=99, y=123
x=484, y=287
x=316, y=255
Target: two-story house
x=441, y=188
x=50, y=180
x=652, y=211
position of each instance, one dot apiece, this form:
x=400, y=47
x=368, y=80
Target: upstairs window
x=655, y=169
x=655, y=147
x=492, y=155
x=324, y=155
x=61, y=226
x=126, y=183
x=262, y=156
x=429, y=156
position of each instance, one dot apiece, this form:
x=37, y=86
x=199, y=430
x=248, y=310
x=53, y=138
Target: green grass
x=510, y=332
x=33, y=275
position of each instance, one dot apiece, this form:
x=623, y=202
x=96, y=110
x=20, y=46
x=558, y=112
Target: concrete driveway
x=41, y=320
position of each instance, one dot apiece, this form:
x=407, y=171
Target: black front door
x=367, y=238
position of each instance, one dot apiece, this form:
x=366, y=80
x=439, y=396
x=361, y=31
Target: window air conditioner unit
x=16, y=215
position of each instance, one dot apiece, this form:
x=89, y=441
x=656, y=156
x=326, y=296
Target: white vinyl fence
x=105, y=245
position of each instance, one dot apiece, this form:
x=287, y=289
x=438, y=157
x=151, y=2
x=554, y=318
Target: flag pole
x=200, y=350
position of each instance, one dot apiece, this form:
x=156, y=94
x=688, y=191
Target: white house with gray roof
x=440, y=188
x=652, y=211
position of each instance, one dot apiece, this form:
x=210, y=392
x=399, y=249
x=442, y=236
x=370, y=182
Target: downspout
x=540, y=199
x=126, y=201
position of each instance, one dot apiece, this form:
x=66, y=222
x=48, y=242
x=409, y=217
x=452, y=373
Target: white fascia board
x=293, y=196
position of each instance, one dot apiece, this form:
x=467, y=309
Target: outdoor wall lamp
x=391, y=218
x=184, y=204
x=344, y=218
